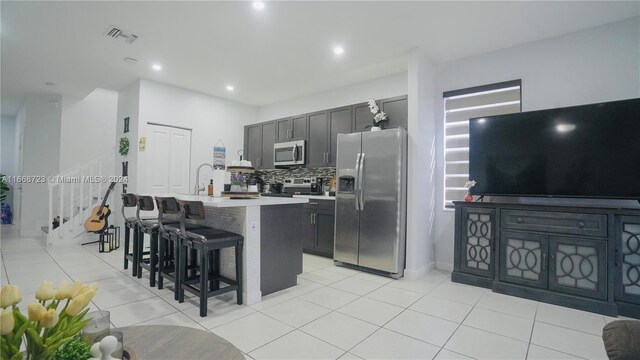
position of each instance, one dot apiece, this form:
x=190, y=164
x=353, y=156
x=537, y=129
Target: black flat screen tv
x=589, y=151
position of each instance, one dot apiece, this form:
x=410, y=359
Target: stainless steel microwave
x=289, y=153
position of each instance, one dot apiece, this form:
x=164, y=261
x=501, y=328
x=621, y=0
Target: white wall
x=594, y=65
x=421, y=173
x=8, y=150
x=88, y=126
x=209, y=118
x=385, y=87
x=40, y=157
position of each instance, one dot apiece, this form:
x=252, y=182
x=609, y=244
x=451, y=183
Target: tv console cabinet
x=587, y=258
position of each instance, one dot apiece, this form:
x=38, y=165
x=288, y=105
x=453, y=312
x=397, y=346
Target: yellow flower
x=64, y=291
x=45, y=291
x=77, y=304
x=49, y=319
x=78, y=288
x=10, y=295
x=6, y=322
x=36, y=311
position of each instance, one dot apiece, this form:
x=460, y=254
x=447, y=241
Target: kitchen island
x=272, y=250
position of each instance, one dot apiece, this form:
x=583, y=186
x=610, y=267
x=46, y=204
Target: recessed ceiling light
x=338, y=50
x=156, y=67
x=230, y=88
x=258, y=5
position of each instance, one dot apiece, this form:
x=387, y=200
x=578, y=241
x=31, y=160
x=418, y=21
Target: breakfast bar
x=272, y=251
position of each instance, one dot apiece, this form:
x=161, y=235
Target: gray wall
x=594, y=65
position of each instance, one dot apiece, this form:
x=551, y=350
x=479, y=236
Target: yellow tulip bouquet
x=44, y=330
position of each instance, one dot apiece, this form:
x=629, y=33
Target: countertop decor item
x=124, y=146
x=76, y=349
x=379, y=117
x=45, y=328
x=469, y=184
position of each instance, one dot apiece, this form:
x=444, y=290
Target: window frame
x=447, y=205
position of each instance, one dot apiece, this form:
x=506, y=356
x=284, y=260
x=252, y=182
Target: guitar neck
x=106, y=196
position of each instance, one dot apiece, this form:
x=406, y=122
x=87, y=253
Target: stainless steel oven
x=289, y=153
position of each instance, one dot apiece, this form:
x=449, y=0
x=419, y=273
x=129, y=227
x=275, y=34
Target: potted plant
x=379, y=117
x=469, y=184
x=45, y=328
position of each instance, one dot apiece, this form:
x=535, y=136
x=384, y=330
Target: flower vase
x=376, y=128
x=468, y=197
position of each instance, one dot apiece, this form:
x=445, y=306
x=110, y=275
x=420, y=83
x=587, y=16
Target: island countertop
x=226, y=202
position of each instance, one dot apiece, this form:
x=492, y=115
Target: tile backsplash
x=278, y=175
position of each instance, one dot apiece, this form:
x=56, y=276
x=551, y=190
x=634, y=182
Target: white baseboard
x=417, y=273
x=444, y=266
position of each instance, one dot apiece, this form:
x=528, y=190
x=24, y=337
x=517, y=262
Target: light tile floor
x=332, y=313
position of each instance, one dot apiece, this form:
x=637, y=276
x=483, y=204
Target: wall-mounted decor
x=124, y=146
x=124, y=188
x=219, y=155
x=125, y=168
x=142, y=143
x=126, y=125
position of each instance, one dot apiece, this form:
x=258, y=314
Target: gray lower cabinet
x=318, y=227
x=578, y=266
x=523, y=258
x=587, y=258
x=476, y=241
x=627, y=259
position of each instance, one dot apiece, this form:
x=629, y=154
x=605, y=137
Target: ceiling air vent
x=117, y=33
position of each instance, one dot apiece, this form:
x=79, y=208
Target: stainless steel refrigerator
x=371, y=200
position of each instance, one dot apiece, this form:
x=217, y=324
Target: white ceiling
x=280, y=53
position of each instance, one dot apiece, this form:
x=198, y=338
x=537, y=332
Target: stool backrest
x=128, y=200
x=166, y=206
x=145, y=203
x=192, y=210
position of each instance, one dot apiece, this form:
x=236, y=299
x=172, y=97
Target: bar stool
x=168, y=241
x=206, y=241
x=130, y=223
x=149, y=227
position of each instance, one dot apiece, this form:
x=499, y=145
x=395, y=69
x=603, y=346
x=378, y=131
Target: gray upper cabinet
x=253, y=143
x=268, y=139
x=298, y=128
x=282, y=129
x=258, y=144
x=318, y=140
x=290, y=129
x=397, y=111
x=339, y=123
x=362, y=117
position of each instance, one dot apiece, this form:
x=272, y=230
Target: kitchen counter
x=315, y=197
x=272, y=249
x=261, y=201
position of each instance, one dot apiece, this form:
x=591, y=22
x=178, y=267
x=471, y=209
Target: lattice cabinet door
x=628, y=259
x=477, y=243
x=578, y=266
x=523, y=258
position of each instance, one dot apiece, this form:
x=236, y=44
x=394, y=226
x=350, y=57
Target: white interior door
x=168, y=157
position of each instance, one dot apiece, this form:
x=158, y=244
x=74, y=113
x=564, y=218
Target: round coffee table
x=158, y=342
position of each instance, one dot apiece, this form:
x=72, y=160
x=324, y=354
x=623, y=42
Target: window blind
x=459, y=107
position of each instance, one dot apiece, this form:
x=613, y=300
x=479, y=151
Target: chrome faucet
x=198, y=188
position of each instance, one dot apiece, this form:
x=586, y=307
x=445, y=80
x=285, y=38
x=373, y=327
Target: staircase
x=75, y=193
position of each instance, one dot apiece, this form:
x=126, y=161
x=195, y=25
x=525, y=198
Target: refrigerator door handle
x=361, y=181
x=355, y=182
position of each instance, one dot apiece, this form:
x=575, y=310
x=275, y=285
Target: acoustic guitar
x=97, y=221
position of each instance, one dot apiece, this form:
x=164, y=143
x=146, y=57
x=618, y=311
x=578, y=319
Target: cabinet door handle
x=552, y=265
x=544, y=261
x=581, y=225
x=519, y=220
x=311, y=219
x=618, y=258
x=314, y=218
